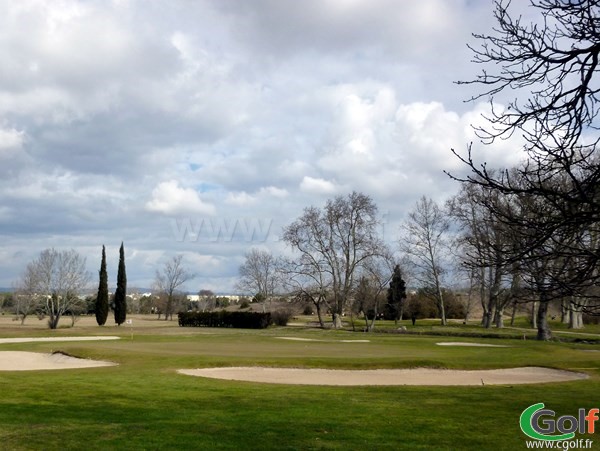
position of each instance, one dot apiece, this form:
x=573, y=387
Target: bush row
x=240, y=320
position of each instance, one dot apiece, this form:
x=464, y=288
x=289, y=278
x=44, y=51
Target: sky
x=203, y=127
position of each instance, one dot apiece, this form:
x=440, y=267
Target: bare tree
x=259, y=275
x=169, y=281
x=482, y=240
x=206, y=300
x=425, y=242
x=26, y=300
x=57, y=278
x=378, y=273
x=333, y=243
x=550, y=68
x=305, y=284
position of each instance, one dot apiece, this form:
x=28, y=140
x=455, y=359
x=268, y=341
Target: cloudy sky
x=202, y=127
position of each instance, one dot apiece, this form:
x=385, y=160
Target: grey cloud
x=222, y=100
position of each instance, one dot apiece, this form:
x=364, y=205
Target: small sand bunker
x=29, y=361
x=51, y=339
x=466, y=343
x=414, y=376
x=327, y=341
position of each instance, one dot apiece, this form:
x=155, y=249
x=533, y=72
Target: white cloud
x=11, y=139
x=169, y=198
x=241, y=198
x=314, y=185
x=112, y=112
x=273, y=191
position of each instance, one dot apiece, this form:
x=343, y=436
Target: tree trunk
x=337, y=321
x=169, y=307
x=371, y=327
x=440, y=300
x=498, y=317
x=319, y=315
x=513, y=314
x=534, y=313
x=576, y=320
x=487, y=319
x=482, y=297
x=565, y=311
x=492, y=307
x=442, y=311
x=53, y=321
x=575, y=315
x=542, y=321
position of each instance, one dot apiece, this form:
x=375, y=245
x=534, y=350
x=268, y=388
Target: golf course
x=148, y=396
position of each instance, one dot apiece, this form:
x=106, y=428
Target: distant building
x=230, y=297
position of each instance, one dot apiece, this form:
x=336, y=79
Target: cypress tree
x=101, y=307
x=396, y=294
x=120, y=302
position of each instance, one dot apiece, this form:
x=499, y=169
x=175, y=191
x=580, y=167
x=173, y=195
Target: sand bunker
x=414, y=376
x=324, y=341
x=50, y=339
x=465, y=343
x=29, y=361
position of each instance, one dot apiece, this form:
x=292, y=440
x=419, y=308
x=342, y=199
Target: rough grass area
x=144, y=404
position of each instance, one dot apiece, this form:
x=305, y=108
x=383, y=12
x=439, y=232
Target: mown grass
x=144, y=404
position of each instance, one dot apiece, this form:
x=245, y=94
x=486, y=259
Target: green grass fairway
x=144, y=404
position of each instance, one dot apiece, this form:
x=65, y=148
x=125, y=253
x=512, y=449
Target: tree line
x=528, y=234
x=51, y=286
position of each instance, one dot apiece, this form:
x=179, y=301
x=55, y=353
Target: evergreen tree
x=120, y=301
x=396, y=294
x=101, y=307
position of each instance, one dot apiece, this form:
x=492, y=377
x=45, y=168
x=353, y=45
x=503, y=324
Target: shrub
x=281, y=317
x=308, y=310
x=244, y=304
x=423, y=305
x=239, y=320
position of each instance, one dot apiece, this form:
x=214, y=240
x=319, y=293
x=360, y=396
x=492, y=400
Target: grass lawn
x=144, y=404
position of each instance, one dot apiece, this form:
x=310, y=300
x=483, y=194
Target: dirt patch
x=30, y=361
x=414, y=376
x=466, y=343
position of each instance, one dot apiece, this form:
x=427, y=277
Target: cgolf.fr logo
x=541, y=424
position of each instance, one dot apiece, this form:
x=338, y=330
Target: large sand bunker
x=413, y=376
x=29, y=361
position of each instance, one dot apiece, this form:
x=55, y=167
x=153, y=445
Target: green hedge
x=239, y=320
